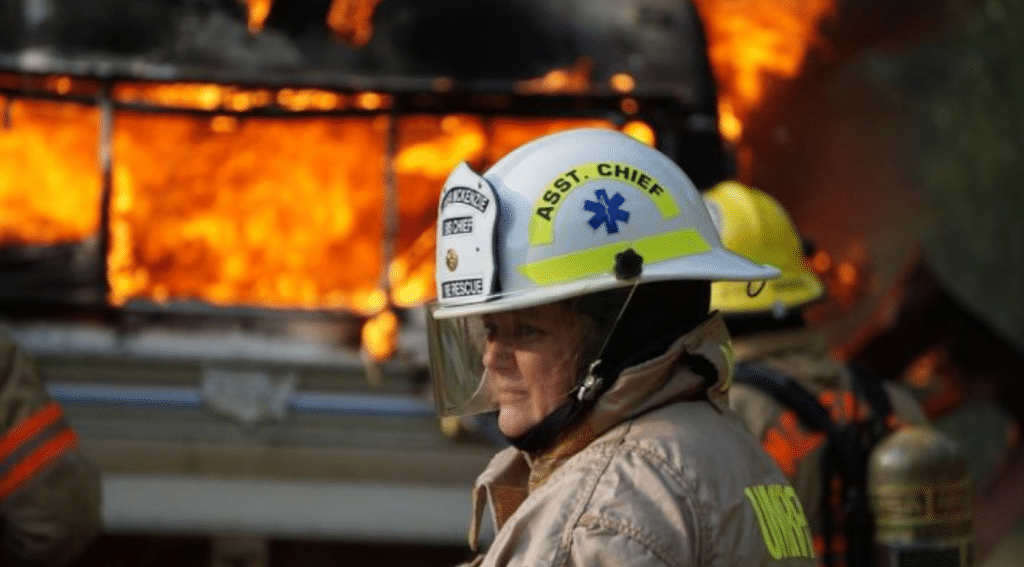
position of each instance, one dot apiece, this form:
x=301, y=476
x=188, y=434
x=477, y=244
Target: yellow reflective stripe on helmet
x=545, y=210
x=601, y=259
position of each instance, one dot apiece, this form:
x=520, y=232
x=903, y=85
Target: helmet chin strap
x=583, y=396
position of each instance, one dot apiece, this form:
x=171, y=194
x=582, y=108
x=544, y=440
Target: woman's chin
x=513, y=423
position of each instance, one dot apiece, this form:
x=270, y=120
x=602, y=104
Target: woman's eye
x=490, y=329
x=527, y=330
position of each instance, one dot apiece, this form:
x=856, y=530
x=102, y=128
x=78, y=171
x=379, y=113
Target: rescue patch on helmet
x=546, y=208
x=607, y=211
x=466, y=220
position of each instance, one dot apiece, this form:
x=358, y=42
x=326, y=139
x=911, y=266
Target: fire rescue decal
x=462, y=288
x=782, y=521
x=466, y=196
x=547, y=206
x=467, y=218
x=457, y=225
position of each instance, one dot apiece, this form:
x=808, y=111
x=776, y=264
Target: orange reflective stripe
x=25, y=429
x=842, y=406
x=788, y=443
x=37, y=460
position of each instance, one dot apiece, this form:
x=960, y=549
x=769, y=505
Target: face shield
x=527, y=361
x=456, y=347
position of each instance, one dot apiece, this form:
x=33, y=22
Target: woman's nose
x=497, y=354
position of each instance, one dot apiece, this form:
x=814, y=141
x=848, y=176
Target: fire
x=272, y=213
x=258, y=12
x=751, y=42
x=846, y=279
x=49, y=176
x=640, y=131
x=380, y=335
x=350, y=20
x=622, y=82
x=570, y=80
x=235, y=209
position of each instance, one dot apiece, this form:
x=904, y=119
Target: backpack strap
x=869, y=384
x=787, y=392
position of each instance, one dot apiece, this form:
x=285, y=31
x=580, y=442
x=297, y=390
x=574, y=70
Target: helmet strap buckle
x=588, y=390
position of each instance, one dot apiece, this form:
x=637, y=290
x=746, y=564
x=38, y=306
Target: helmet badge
x=606, y=211
x=451, y=259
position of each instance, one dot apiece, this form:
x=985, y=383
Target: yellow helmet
x=753, y=224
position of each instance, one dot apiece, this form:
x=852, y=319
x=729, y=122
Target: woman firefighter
x=573, y=290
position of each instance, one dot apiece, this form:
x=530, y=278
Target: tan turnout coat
x=659, y=473
x=803, y=356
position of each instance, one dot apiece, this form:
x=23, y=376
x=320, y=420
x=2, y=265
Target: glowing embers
x=846, y=280
x=749, y=43
x=277, y=213
x=50, y=185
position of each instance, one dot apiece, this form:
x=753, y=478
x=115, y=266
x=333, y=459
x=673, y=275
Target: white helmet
x=564, y=206
x=547, y=222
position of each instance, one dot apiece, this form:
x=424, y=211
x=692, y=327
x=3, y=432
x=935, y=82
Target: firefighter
x=573, y=282
x=815, y=416
x=49, y=493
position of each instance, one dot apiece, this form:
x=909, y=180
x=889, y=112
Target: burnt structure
x=147, y=111
x=453, y=57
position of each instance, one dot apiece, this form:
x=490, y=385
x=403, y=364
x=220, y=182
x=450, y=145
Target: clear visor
x=456, y=364
x=531, y=358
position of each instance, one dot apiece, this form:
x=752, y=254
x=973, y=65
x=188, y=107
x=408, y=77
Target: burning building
x=173, y=156
x=231, y=204
x=211, y=204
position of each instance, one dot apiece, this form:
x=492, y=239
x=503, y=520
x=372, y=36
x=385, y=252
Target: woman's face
x=531, y=358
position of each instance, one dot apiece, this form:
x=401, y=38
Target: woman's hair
x=657, y=314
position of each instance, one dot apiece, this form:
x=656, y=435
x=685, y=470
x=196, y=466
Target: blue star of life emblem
x=606, y=211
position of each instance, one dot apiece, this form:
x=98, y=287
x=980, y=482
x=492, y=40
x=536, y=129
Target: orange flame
x=640, y=131
x=245, y=210
x=271, y=213
x=750, y=42
x=351, y=20
x=380, y=335
x=258, y=12
x=570, y=80
x=49, y=177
